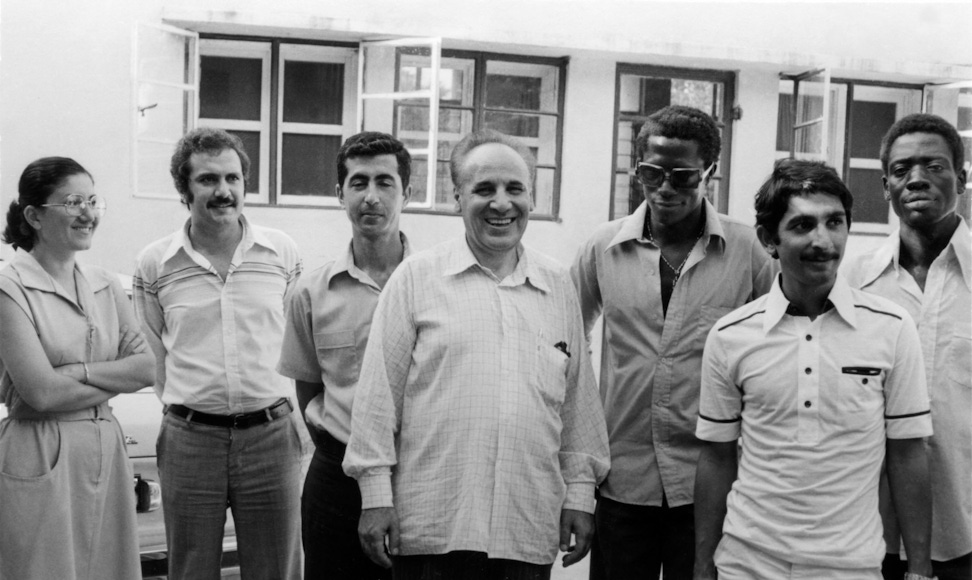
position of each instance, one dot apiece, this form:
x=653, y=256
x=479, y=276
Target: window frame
x=727, y=78
x=479, y=110
x=842, y=110
x=270, y=159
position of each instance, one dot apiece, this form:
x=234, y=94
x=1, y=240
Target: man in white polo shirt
x=817, y=380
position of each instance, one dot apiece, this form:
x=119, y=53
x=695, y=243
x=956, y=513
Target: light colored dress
x=67, y=504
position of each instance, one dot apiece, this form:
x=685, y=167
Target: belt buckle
x=236, y=422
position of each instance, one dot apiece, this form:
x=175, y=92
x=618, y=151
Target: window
x=860, y=116
x=519, y=96
x=643, y=90
x=291, y=104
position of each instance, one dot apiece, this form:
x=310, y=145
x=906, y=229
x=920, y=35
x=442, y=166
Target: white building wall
x=65, y=89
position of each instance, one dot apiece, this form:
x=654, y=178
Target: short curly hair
x=924, y=123
x=372, y=144
x=687, y=123
x=203, y=140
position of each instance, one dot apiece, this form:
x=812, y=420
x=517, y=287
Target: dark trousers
x=960, y=568
x=636, y=542
x=330, y=508
x=462, y=565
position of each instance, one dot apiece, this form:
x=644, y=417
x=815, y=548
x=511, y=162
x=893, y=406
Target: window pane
x=444, y=198
x=416, y=118
x=230, y=88
x=869, y=203
x=543, y=191
x=518, y=85
x=784, y=122
x=313, y=92
x=307, y=166
x=869, y=122
x=251, y=144
x=539, y=132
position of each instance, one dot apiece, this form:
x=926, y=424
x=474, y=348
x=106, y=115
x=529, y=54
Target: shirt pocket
x=550, y=374
x=959, y=360
x=861, y=390
x=337, y=354
x=29, y=450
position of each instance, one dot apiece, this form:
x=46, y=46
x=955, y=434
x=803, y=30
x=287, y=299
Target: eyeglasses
x=680, y=178
x=75, y=205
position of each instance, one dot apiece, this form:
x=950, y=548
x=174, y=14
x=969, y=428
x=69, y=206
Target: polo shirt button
x=807, y=404
x=809, y=337
x=807, y=370
x=864, y=381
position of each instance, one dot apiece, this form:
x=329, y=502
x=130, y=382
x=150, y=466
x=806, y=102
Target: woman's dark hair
x=37, y=182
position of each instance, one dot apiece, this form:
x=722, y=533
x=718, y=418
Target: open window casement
x=165, y=63
x=381, y=105
x=953, y=102
x=814, y=127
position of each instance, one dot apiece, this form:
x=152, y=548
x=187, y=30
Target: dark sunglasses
x=680, y=178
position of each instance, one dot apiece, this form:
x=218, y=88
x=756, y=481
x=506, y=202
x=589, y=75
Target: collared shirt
x=69, y=331
x=943, y=313
x=813, y=402
x=477, y=409
x=650, y=362
x=217, y=341
x=328, y=321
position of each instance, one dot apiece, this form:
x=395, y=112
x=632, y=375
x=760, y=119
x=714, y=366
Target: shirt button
x=807, y=370
x=807, y=404
x=809, y=337
x=864, y=381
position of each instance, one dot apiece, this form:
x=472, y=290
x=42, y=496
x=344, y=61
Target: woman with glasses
x=70, y=342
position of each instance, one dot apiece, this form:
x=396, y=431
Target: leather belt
x=281, y=408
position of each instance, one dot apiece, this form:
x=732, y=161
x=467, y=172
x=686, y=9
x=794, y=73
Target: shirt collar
x=888, y=254
x=345, y=262
x=251, y=236
x=33, y=275
x=840, y=297
x=633, y=226
x=461, y=258
x=961, y=244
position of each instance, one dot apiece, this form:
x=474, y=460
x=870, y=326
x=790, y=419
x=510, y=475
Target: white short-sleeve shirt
x=813, y=402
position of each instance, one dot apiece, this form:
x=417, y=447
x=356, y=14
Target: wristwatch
x=913, y=576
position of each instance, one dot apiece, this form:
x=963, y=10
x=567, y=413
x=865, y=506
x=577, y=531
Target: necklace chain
x=677, y=271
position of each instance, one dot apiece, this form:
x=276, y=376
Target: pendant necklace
x=677, y=271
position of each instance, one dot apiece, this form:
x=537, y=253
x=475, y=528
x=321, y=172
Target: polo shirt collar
x=251, y=237
x=345, y=262
x=461, y=258
x=840, y=298
x=633, y=226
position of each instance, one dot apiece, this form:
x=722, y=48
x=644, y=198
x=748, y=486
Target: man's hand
x=375, y=525
x=581, y=525
x=131, y=342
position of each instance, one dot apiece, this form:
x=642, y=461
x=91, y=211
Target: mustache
x=820, y=255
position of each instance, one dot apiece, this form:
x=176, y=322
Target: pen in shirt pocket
x=562, y=347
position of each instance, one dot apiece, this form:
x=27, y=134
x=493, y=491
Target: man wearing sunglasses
x=661, y=277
